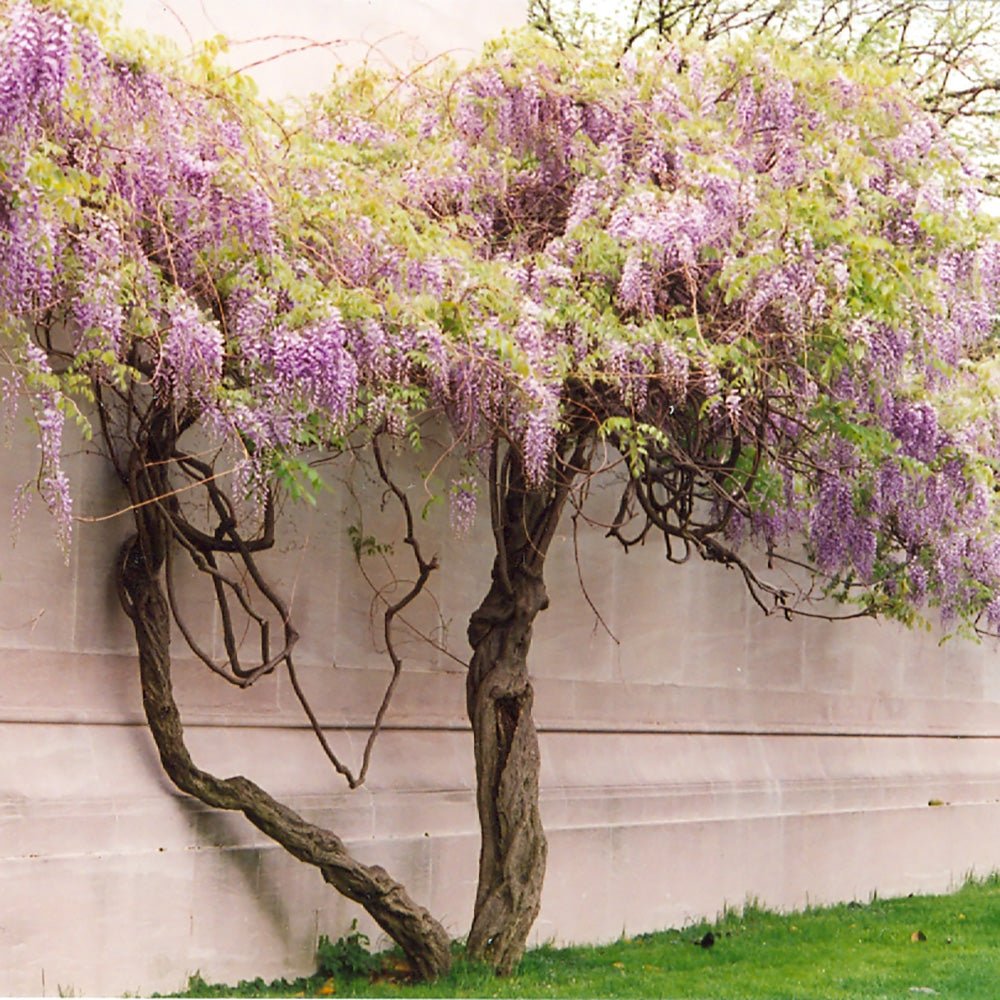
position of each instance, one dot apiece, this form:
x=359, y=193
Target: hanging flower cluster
x=753, y=249
x=761, y=277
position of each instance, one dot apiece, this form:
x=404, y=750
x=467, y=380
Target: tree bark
x=499, y=699
x=513, y=850
x=421, y=937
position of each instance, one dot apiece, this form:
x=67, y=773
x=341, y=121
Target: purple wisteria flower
x=776, y=276
x=53, y=483
x=192, y=354
x=462, y=508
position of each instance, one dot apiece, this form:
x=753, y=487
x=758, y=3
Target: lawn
x=947, y=946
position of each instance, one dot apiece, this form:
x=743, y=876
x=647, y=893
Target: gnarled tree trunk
x=513, y=849
x=499, y=698
x=421, y=937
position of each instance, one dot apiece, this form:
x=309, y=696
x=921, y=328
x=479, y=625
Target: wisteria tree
x=750, y=289
x=944, y=49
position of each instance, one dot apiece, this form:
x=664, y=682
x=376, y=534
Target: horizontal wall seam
x=628, y=790
x=552, y=829
x=554, y=729
x=961, y=790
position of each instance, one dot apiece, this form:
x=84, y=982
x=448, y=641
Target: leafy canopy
x=761, y=279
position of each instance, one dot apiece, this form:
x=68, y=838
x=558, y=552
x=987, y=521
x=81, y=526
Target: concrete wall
x=702, y=756
x=706, y=756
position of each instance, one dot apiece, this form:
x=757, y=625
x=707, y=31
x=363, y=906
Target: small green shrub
x=347, y=956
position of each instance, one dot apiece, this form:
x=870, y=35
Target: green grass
x=846, y=952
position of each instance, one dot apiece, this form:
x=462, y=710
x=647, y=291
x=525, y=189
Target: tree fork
x=422, y=938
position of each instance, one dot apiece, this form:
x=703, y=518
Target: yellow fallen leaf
x=327, y=989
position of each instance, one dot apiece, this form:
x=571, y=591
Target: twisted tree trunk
x=513, y=849
x=499, y=698
x=421, y=937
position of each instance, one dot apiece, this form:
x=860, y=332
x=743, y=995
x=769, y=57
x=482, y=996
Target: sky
x=294, y=46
